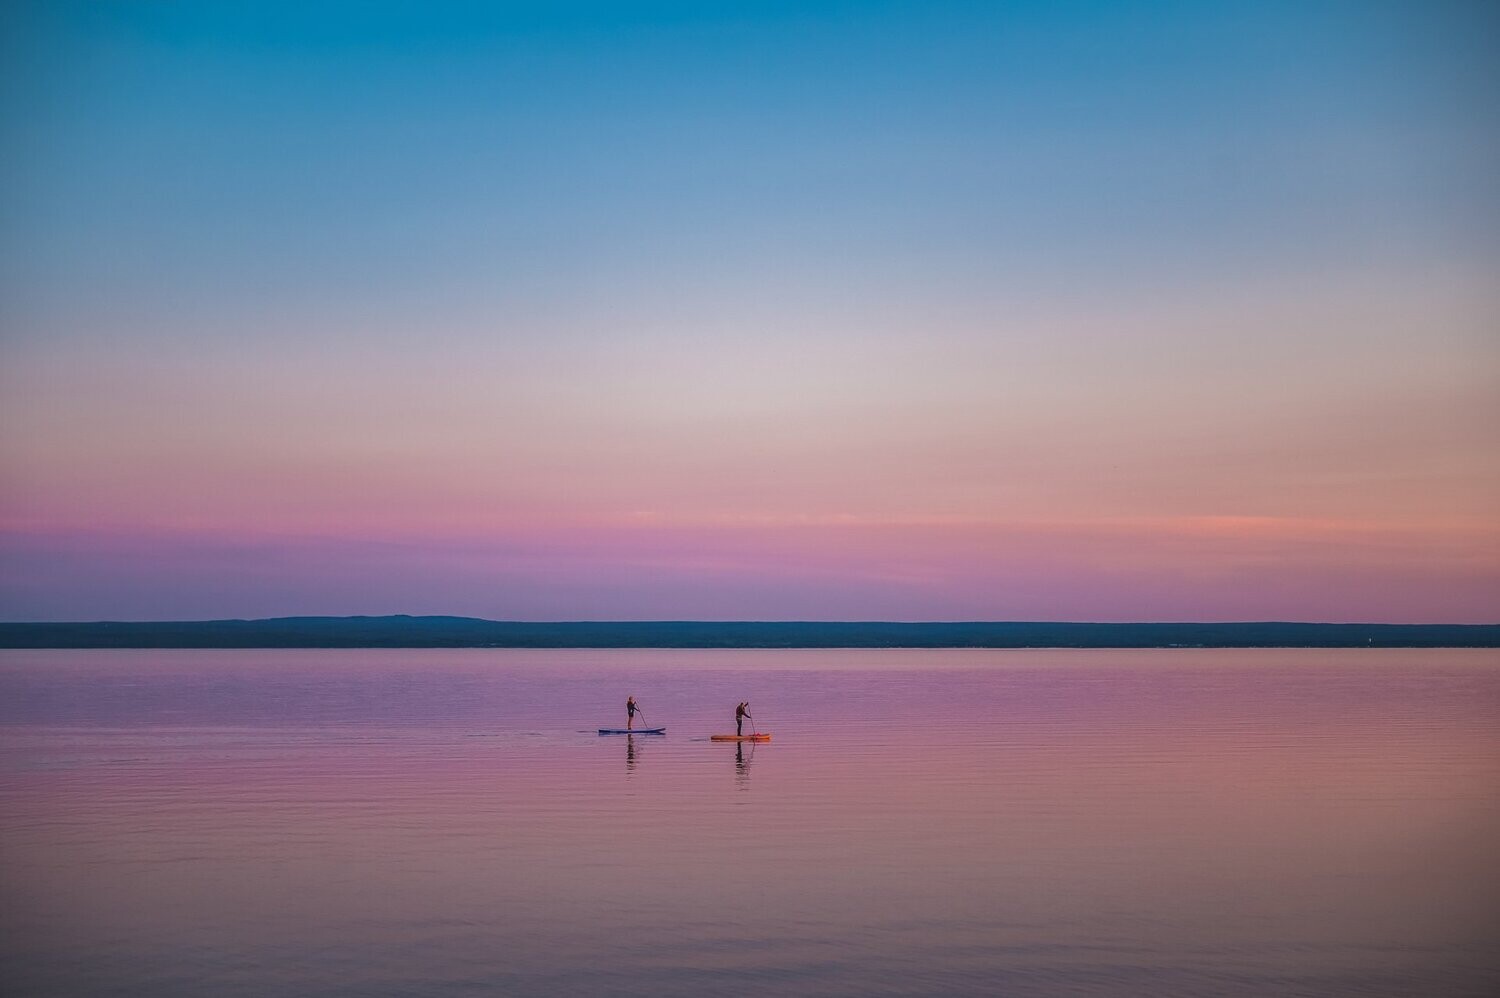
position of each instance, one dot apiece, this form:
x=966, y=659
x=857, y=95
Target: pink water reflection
x=933, y=821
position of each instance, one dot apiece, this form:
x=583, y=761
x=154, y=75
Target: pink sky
x=1121, y=467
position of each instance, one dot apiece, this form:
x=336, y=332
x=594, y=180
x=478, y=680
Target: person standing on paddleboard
x=630, y=709
x=740, y=713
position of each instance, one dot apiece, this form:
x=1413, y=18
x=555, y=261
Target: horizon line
x=435, y=631
x=735, y=620
x=842, y=621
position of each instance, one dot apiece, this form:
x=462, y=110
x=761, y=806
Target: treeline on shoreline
x=470, y=632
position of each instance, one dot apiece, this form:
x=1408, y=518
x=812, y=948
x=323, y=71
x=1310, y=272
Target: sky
x=917, y=311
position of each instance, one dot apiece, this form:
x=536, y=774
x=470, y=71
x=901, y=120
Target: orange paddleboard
x=740, y=738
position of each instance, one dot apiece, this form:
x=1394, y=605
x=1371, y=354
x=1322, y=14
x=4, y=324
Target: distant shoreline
x=471, y=632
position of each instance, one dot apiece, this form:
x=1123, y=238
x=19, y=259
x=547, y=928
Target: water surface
x=435, y=822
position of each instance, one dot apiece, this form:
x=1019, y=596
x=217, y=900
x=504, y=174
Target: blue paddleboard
x=637, y=731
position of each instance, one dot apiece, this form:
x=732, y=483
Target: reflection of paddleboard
x=628, y=731
x=763, y=737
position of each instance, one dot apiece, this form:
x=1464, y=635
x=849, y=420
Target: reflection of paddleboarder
x=630, y=710
x=740, y=713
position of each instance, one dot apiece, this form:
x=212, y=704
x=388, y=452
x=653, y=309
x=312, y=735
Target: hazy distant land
x=401, y=631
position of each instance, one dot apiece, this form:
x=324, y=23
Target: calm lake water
x=1179, y=822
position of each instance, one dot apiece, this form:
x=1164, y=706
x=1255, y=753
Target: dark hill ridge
x=471, y=632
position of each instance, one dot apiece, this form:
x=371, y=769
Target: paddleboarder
x=630, y=709
x=740, y=713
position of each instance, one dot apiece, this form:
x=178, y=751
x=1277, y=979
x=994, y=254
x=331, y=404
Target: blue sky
x=313, y=150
